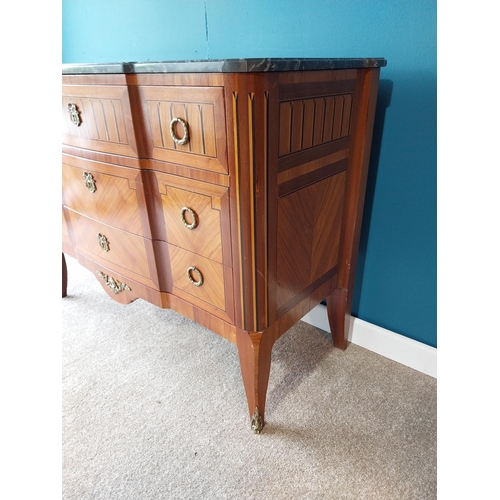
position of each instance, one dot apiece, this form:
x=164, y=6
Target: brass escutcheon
x=89, y=182
x=182, y=140
x=193, y=216
x=192, y=281
x=74, y=114
x=103, y=242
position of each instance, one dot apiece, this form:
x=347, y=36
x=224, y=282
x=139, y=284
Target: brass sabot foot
x=257, y=421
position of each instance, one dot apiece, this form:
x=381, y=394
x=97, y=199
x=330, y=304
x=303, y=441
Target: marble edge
x=224, y=66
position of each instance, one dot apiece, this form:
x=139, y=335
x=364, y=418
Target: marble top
x=224, y=65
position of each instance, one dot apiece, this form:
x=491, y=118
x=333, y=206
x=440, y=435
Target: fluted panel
x=202, y=111
x=104, y=114
x=305, y=123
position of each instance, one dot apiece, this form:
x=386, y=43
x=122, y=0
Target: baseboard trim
x=391, y=345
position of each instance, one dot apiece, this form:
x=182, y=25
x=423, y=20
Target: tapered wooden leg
x=336, y=307
x=254, y=350
x=64, y=277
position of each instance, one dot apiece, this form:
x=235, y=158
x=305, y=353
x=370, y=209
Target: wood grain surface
x=274, y=173
x=106, y=123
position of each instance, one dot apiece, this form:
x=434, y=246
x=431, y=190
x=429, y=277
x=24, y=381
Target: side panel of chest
x=289, y=143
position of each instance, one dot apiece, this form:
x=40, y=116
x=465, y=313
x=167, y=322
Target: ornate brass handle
x=103, y=242
x=89, y=182
x=74, y=114
x=192, y=281
x=184, y=124
x=115, y=285
x=193, y=217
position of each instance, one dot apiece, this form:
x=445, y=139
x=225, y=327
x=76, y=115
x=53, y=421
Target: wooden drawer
x=126, y=253
x=202, y=109
x=201, y=206
x=210, y=292
x=108, y=193
x=103, y=120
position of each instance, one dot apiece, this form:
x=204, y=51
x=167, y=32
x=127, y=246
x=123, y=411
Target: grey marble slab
x=224, y=66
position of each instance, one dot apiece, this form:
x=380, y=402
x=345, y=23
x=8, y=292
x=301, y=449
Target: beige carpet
x=154, y=408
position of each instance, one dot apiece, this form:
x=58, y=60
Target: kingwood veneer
x=230, y=191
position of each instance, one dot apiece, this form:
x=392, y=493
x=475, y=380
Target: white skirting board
x=391, y=345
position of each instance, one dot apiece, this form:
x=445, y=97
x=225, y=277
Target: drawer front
x=107, y=193
x=123, y=252
x=199, y=119
x=211, y=291
x=193, y=213
x=98, y=117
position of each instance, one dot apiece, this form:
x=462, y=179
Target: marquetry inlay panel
x=212, y=289
x=309, y=223
x=202, y=108
x=114, y=200
x=199, y=116
x=205, y=238
x=305, y=123
x=105, y=119
x=127, y=252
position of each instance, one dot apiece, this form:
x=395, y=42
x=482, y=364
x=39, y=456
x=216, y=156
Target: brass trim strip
x=251, y=160
x=266, y=139
x=238, y=208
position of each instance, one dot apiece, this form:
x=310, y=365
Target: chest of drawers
x=229, y=191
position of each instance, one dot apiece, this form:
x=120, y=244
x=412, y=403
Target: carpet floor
x=154, y=408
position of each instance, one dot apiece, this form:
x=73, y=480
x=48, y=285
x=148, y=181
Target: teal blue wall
x=396, y=280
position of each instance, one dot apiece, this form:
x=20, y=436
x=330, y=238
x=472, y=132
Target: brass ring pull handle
x=184, y=124
x=103, y=242
x=193, y=217
x=192, y=281
x=74, y=114
x=89, y=182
